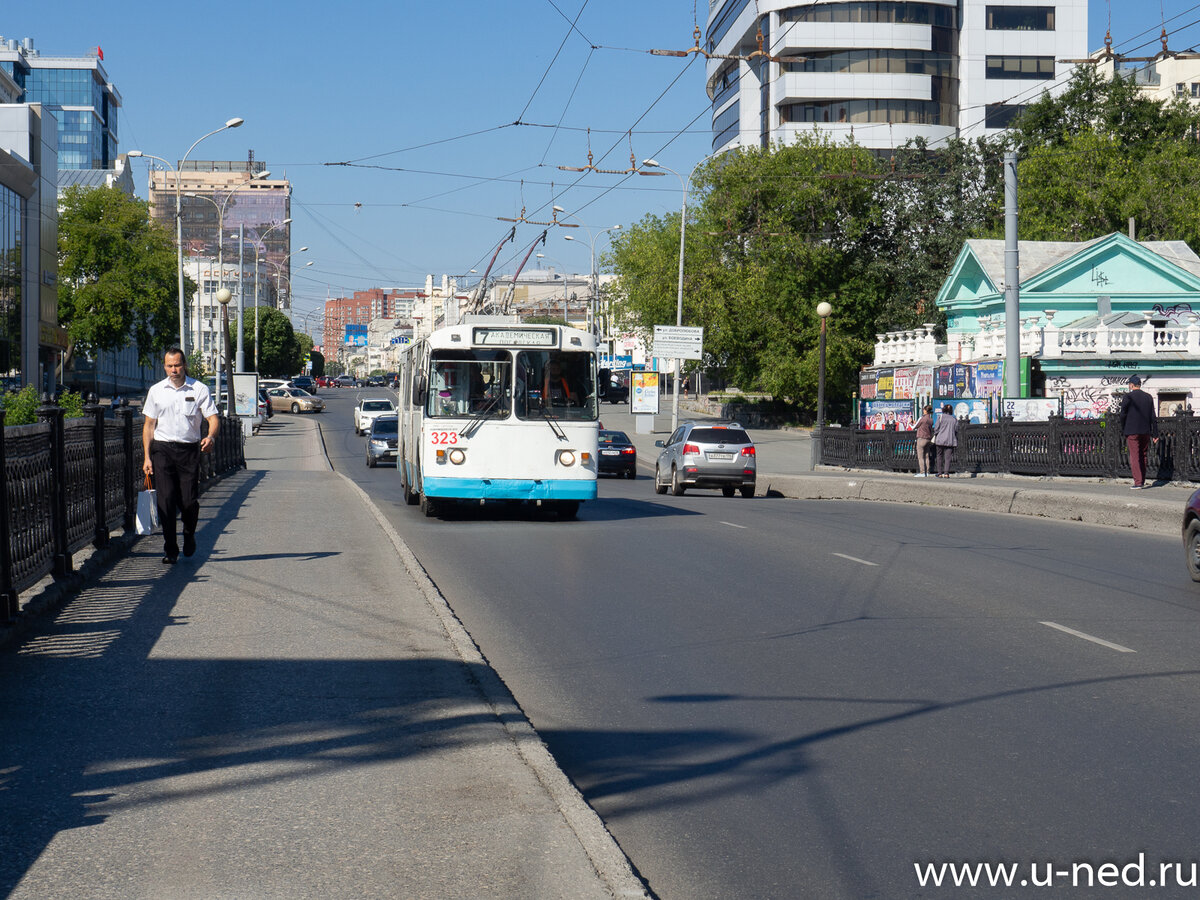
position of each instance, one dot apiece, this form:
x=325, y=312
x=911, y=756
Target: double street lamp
x=595, y=277
x=232, y=123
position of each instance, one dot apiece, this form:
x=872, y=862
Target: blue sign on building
x=356, y=336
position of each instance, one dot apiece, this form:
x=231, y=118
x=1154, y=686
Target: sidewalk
x=784, y=470
x=292, y=713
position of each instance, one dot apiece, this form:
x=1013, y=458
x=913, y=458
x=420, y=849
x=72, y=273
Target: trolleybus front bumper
x=509, y=489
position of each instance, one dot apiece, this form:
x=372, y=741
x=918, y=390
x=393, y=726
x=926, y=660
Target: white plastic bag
x=147, y=510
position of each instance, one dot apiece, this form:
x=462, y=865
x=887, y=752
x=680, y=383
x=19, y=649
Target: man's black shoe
x=189, y=544
x=169, y=560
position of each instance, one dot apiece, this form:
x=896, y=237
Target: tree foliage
x=117, y=274
x=281, y=349
x=771, y=233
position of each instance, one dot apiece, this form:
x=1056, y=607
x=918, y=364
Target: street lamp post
x=232, y=123
x=653, y=163
x=262, y=238
x=823, y=310
x=223, y=297
x=221, y=207
x=595, y=277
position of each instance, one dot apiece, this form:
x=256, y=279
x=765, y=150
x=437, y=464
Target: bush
x=20, y=407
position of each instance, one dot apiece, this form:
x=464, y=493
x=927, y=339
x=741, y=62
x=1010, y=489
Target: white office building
x=884, y=71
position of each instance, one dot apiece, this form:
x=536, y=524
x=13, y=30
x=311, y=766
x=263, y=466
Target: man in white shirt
x=171, y=442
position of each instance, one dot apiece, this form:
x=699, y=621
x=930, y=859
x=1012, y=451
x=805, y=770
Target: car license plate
x=721, y=456
x=610, y=452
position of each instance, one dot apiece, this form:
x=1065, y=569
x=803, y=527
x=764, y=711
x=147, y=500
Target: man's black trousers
x=177, y=481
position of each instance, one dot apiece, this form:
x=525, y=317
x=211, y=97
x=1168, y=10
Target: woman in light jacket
x=945, y=439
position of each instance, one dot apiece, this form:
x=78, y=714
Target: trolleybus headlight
x=458, y=456
x=566, y=457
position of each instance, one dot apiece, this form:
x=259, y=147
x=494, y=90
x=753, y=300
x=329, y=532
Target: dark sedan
x=618, y=456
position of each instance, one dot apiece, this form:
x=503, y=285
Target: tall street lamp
x=823, y=310
x=232, y=123
x=655, y=164
x=279, y=275
x=593, y=273
x=262, y=238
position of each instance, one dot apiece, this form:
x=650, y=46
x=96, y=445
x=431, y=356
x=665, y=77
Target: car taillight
x=748, y=451
x=628, y=450
x=690, y=448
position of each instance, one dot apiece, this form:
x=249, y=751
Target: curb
x=1147, y=514
x=610, y=862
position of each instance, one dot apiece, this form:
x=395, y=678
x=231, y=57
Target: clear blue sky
x=423, y=98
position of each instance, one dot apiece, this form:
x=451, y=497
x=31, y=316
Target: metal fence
x=1082, y=447
x=68, y=483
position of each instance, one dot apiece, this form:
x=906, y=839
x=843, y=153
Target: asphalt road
x=777, y=698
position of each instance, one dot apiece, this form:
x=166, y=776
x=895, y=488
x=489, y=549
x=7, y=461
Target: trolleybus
x=493, y=410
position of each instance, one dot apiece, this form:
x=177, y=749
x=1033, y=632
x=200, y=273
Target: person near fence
x=924, y=428
x=174, y=409
x=1139, y=424
x=945, y=438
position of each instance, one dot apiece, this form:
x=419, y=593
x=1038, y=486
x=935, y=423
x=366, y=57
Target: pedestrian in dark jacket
x=945, y=439
x=1139, y=424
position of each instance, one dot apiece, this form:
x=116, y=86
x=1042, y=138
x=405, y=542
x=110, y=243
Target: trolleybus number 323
x=443, y=437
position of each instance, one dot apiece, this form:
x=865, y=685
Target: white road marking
x=1088, y=637
x=731, y=525
x=856, y=559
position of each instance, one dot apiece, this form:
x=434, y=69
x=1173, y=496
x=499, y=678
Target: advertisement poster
x=876, y=415
x=989, y=378
x=883, y=384
x=355, y=336
x=975, y=410
x=866, y=384
x=1030, y=409
x=644, y=398
x=904, y=383
x=245, y=394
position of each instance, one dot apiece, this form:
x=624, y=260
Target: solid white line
x=731, y=525
x=856, y=559
x=1088, y=637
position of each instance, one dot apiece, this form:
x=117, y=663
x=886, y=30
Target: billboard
x=644, y=398
x=876, y=415
x=355, y=336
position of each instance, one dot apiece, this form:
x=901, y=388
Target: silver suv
x=706, y=455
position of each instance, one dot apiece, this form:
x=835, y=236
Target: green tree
x=281, y=348
x=117, y=274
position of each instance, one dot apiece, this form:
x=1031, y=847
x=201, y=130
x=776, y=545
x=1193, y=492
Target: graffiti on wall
x=1087, y=401
x=1176, y=314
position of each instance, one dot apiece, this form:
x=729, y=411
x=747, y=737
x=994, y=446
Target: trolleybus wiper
x=552, y=421
x=476, y=420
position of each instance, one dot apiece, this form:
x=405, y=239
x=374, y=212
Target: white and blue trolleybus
x=494, y=410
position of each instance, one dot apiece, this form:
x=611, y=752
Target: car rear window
x=613, y=437
x=719, y=436
x=376, y=405
x=384, y=426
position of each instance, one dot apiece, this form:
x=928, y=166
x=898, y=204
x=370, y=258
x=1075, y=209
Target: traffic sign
x=678, y=342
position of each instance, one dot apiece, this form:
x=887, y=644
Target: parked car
x=264, y=405
x=305, y=383
x=617, y=391
x=267, y=383
x=706, y=455
x=344, y=381
x=294, y=400
x=618, y=456
x=1191, y=535
x=382, y=438
x=323, y=381
x=368, y=408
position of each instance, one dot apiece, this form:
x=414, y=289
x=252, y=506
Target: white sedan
x=367, y=409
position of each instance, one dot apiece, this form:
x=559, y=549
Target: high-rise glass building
x=77, y=92
x=883, y=71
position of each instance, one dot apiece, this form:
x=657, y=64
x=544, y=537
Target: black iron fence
x=1059, y=446
x=68, y=483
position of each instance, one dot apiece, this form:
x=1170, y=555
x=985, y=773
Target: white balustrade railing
x=1047, y=341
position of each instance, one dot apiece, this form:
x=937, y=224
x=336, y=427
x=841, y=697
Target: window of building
x=1000, y=115
x=916, y=112
x=726, y=125
x=1028, y=67
x=875, y=61
x=1020, y=18
x=894, y=13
